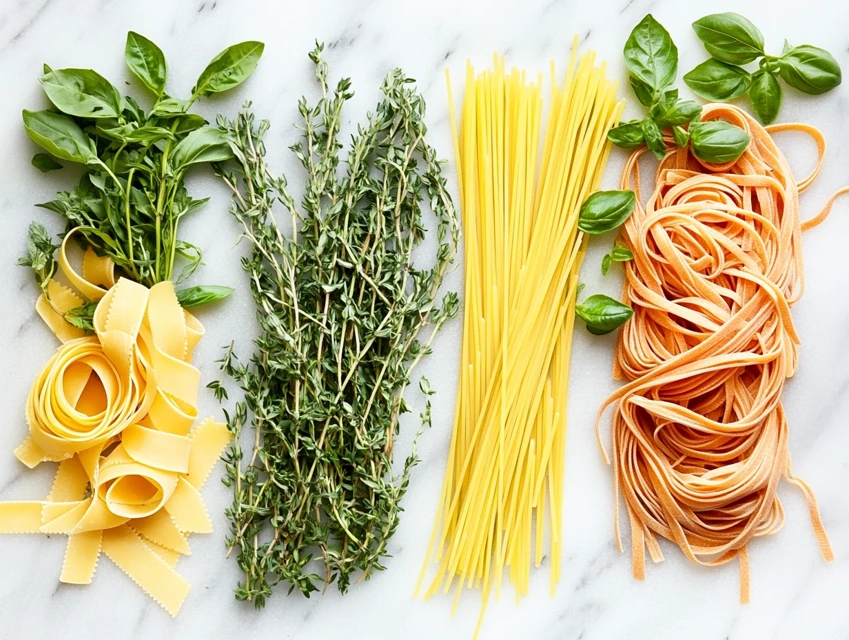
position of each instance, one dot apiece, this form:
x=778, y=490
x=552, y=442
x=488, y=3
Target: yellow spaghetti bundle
x=523, y=254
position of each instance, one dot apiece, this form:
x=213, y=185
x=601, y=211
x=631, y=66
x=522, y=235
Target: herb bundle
x=129, y=202
x=341, y=307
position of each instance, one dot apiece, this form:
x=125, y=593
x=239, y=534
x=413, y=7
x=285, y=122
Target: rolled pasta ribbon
x=116, y=410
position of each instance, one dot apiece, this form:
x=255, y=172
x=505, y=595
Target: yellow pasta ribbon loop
x=116, y=411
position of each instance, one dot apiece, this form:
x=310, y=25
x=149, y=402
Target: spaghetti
x=523, y=254
x=699, y=437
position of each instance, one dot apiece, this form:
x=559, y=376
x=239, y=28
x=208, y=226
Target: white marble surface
x=794, y=593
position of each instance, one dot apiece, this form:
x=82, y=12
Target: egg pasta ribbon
x=115, y=410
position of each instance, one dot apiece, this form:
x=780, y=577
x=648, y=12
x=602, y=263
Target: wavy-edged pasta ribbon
x=116, y=411
x=700, y=439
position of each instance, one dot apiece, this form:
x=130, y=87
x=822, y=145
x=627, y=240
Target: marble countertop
x=794, y=593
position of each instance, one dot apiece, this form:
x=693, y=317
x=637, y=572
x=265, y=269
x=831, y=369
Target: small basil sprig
x=603, y=314
x=652, y=59
x=619, y=253
x=732, y=40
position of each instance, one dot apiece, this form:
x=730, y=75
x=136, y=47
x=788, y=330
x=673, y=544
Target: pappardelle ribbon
x=115, y=410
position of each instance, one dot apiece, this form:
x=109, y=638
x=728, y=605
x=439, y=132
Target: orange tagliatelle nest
x=700, y=439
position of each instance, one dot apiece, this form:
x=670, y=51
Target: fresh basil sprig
x=603, y=314
x=130, y=200
x=652, y=59
x=732, y=40
x=619, y=253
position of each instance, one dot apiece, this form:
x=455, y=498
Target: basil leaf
x=206, y=144
x=718, y=81
x=765, y=95
x=644, y=93
x=202, y=294
x=651, y=55
x=229, y=68
x=681, y=112
x=148, y=134
x=146, y=61
x=717, y=142
x=189, y=122
x=621, y=253
x=83, y=93
x=59, y=135
x=45, y=163
x=606, y=261
x=654, y=138
x=729, y=37
x=628, y=135
x=168, y=107
x=605, y=210
x=810, y=69
x=682, y=136
x=603, y=314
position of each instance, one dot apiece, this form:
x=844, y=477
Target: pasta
x=699, y=440
x=523, y=254
x=116, y=410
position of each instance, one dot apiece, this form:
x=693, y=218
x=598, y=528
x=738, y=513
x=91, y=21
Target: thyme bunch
x=342, y=308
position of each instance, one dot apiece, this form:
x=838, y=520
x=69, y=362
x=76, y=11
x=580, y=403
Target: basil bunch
x=132, y=196
x=652, y=59
x=733, y=41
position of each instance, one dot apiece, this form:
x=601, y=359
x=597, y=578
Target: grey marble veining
x=794, y=593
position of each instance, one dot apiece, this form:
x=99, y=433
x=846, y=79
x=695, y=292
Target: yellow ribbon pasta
x=116, y=411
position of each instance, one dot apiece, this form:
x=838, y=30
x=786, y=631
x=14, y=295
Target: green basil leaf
x=718, y=81
x=606, y=261
x=605, y=210
x=603, y=314
x=717, y=142
x=621, y=253
x=787, y=47
x=654, y=138
x=681, y=112
x=83, y=93
x=202, y=294
x=651, y=55
x=59, y=135
x=45, y=68
x=644, y=93
x=810, y=69
x=168, y=107
x=628, y=135
x=206, y=144
x=682, y=136
x=148, y=134
x=765, y=95
x=729, y=37
x=229, y=68
x=189, y=122
x=44, y=163
x=147, y=62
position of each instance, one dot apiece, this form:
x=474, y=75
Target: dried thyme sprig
x=341, y=306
